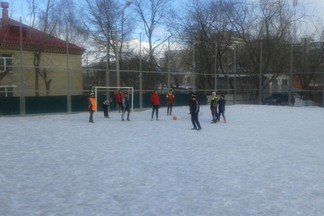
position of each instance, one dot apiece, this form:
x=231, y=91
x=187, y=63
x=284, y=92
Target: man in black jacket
x=194, y=111
x=221, y=107
x=105, y=107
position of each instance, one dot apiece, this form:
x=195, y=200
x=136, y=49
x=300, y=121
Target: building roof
x=32, y=39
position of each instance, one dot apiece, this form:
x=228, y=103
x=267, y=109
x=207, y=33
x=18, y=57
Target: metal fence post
x=290, y=75
x=21, y=77
x=140, y=76
x=169, y=59
x=193, y=68
x=322, y=88
x=235, y=71
x=68, y=72
x=216, y=66
x=260, y=75
x=107, y=65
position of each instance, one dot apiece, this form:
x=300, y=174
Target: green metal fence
x=58, y=104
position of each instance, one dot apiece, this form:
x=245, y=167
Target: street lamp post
x=127, y=4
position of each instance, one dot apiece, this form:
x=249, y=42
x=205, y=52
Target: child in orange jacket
x=92, y=106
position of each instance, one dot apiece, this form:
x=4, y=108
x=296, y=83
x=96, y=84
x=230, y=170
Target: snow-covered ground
x=267, y=160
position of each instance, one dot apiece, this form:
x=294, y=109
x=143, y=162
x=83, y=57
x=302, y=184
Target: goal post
x=130, y=90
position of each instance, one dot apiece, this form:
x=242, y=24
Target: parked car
x=277, y=99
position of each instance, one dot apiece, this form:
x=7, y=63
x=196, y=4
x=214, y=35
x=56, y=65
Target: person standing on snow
x=190, y=100
x=170, y=101
x=221, y=107
x=125, y=106
x=118, y=98
x=155, y=101
x=105, y=107
x=292, y=100
x=213, y=107
x=194, y=111
x=92, y=105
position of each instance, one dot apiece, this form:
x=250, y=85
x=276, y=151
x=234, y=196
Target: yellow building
x=40, y=63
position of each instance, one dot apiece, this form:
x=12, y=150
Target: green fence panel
x=46, y=104
x=79, y=103
x=58, y=104
x=9, y=106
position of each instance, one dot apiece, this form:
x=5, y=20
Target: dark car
x=276, y=99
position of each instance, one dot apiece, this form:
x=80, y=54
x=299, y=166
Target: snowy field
x=266, y=160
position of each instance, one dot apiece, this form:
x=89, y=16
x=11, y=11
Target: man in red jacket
x=170, y=101
x=118, y=99
x=155, y=100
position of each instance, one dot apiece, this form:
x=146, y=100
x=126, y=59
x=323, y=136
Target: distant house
x=19, y=44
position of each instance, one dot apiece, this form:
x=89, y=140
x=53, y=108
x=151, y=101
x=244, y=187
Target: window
x=7, y=90
x=5, y=63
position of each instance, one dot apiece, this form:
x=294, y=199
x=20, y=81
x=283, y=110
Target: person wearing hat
x=92, y=105
x=125, y=106
x=194, y=111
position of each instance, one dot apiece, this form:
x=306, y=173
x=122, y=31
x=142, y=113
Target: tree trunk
x=37, y=59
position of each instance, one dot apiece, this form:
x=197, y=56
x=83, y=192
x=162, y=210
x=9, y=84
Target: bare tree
x=266, y=25
x=69, y=26
x=108, y=28
x=207, y=30
x=33, y=7
x=47, y=23
x=153, y=14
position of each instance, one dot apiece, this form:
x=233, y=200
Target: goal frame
x=95, y=90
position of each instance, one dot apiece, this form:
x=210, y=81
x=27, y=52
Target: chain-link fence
x=287, y=75
x=59, y=95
